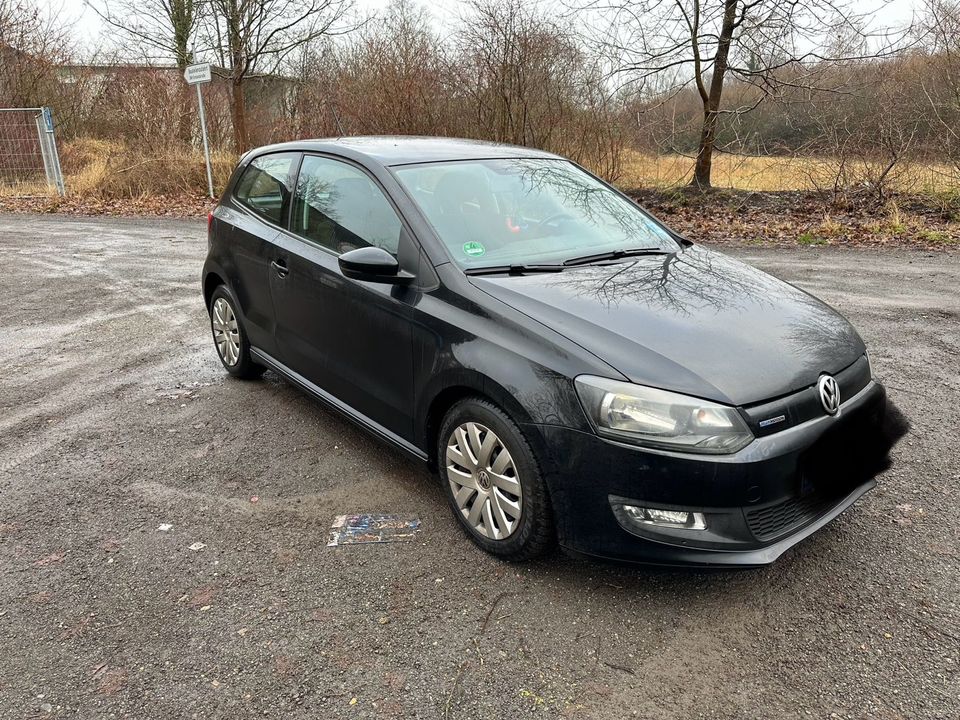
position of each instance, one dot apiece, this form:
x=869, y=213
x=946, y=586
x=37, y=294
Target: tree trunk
x=182, y=20
x=708, y=137
x=238, y=115
x=711, y=104
x=238, y=71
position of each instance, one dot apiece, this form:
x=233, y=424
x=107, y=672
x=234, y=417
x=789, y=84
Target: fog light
x=666, y=518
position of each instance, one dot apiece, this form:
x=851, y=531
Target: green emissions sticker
x=473, y=249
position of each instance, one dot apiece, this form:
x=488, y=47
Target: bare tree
x=518, y=68
x=858, y=151
x=389, y=77
x=402, y=60
x=766, y=44
x=941, y=81
x=253, y=38
x=159, y=30
x=527, y=80
x=31, y=47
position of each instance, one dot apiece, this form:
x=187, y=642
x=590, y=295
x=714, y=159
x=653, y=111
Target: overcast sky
x=88, y=27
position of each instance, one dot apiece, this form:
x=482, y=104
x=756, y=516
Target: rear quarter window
x=264, y=187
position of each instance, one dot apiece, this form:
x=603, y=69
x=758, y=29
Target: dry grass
x=742, y=172
x=103, y=170
x=115, y=170
x=25, y=188
x=110, y=169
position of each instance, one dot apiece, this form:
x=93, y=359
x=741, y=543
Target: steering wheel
x=555, y=218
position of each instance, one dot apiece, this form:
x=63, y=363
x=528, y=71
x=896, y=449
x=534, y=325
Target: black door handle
x=281, y=267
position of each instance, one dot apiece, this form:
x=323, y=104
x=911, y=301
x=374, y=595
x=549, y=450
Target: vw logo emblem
x=829, y=393
x=483, y=480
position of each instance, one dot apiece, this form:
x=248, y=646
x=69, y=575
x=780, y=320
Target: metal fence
x=28, y=148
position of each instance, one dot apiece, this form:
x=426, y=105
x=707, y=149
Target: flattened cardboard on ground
x=372, y=528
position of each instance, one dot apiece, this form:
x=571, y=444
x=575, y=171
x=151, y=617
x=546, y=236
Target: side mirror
x=373, y=264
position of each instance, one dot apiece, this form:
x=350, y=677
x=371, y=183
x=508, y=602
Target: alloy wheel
x=226, y=332
x=484, y=481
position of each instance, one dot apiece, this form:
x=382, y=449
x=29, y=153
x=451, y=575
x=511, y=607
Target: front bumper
x=758, y=502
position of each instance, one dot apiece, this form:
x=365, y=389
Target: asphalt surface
x=115, y=418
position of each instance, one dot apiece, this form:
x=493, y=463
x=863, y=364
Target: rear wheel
x=229, y=336
x=493, y=482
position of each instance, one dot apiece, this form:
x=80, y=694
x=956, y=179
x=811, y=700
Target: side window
x=264, y=186
x=340, y=207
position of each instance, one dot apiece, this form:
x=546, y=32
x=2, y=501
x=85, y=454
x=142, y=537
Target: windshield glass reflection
x=524, y=211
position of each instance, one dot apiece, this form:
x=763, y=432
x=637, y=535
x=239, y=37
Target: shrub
x=109, y=169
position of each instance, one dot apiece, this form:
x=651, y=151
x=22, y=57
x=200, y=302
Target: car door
x=350, y=338
x=261, y=200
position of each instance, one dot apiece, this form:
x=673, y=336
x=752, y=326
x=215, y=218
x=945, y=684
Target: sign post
x=198, y=75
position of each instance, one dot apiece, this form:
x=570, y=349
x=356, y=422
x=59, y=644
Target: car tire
x=230, y=337
x=512, y=494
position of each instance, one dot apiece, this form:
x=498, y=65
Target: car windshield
x=517, y=211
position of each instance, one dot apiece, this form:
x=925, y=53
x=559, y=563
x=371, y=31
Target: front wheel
x=229, y=336
x=493, y=482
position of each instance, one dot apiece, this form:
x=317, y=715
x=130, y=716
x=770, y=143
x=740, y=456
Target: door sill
x=351, y=414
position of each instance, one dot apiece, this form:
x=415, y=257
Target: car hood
x=696, y=321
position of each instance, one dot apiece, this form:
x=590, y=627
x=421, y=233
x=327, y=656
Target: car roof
x=405, y=150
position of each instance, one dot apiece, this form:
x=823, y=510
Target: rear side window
x=341, y=208
x=265, y=185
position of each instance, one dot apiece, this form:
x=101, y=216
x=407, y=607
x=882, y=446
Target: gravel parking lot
x=115, y=418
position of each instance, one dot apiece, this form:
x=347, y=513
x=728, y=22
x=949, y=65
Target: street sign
x=195, y=74
x=198, y=75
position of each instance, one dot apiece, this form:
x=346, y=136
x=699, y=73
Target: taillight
x=209, y=221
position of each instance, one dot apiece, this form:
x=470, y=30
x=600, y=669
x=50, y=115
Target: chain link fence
x=28, y=149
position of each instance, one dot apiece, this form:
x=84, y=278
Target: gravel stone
x=116, y=418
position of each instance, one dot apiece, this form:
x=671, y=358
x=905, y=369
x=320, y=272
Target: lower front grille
x=773, y=521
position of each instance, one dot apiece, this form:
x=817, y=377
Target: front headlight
x=661, y=419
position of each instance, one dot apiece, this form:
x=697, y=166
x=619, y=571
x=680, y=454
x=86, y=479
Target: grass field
x=929, y=222
x=743, y=172
x=103, y=169
x=113, y=178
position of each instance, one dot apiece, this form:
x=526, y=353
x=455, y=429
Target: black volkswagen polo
x=573, y=369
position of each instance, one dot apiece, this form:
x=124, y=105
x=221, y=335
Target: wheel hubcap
x=226, y=332
x=484, y=481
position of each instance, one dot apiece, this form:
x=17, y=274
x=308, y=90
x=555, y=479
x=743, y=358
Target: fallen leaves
x=284, y=665
x=179, y=206
x=202, y=596
x=76, y=630
x=728, y=217
x=110, y=545
x=112, y=681
x=907, y=514
x=50, y=559
x=720, y=217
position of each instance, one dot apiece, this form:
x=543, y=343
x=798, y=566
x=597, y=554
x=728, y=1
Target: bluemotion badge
x=473, y=249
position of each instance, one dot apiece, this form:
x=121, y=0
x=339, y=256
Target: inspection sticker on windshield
x=473, y=248
x=360, y=529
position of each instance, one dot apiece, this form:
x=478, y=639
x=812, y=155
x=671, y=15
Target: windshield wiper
x=513, y=269
x=614, y=255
